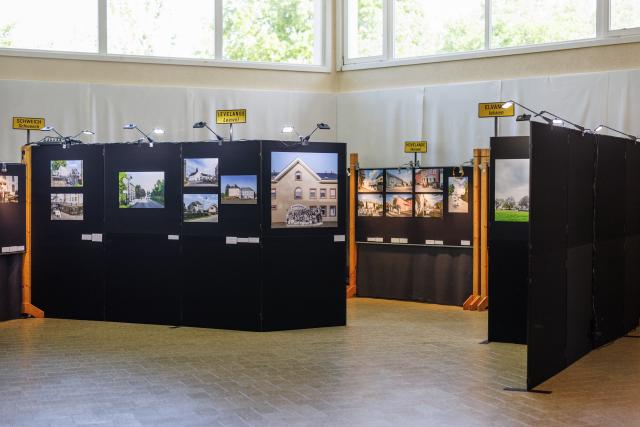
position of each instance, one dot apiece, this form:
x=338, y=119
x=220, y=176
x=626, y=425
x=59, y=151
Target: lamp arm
x=580, y=128
x=308, y=137
x=145, y=135
x=621, y=133
x=213, y=132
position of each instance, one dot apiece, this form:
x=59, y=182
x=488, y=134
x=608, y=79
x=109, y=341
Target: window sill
x=28, y=53
x=360, y=64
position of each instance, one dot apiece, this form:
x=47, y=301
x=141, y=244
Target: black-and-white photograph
x=67, y=207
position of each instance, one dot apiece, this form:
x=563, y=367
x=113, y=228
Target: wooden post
x=471, y=302
x=483, y=303
x=353, y=249
x=27, y=307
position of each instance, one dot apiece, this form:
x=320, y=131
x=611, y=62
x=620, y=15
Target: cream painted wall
x=570, y=61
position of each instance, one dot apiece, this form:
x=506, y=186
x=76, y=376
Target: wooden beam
x=27, y=307
x=353, y=249
x=471, y=302
x=483, y=304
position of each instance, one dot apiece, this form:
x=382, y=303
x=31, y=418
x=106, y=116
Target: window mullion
x=102, y=27
x=388, y=31
x=488, y=24
x=218, y=29
x=602, y=18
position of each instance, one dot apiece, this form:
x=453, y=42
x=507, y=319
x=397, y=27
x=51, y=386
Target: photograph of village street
x=200, y=207
x=141, y=190
x=67, y=173
x=201, y=172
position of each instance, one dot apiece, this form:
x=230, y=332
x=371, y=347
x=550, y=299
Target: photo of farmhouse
x=512, y=190
x=399, y=180
x=8, y=189
x=370, y=181
x=430, y=180
x=429, y=205
x=67, y=207
x=141, y=190
x=239, y=189
x=370, y=205
x=201, y=172
x=399, y=205
x=66, y=173
x=200, y=207
x=304, y=189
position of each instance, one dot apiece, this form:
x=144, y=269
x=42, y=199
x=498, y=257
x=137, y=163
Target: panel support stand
x=353, y=249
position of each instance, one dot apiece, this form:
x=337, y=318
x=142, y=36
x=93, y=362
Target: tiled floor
x=396, y=364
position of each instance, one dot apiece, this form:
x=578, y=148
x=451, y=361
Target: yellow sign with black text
x=415, y=147
x=28, y=123
x=227, y=117
x=494, y=109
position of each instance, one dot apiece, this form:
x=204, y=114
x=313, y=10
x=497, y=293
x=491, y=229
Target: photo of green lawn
x=511, y=201
x=512, y=216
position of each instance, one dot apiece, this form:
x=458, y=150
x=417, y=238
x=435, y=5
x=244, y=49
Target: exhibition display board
x=12, y=238
x=577, y=195
x=414, y=230
x=195, y=233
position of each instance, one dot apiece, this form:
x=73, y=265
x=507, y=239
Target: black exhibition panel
x=304, y=268
x=12, y=238
x=68, y=255
x=632, y=228
x=12, y=208
x=451, y=229
x=546, y=340
x=143, y=279
x=140, y=157
x=508, y=256
x=609, y=272
x=431, y=274
x=579, y=268
x=417, y=258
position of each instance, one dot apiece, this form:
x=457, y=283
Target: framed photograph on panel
x=370, y=205
x=370, y=180
x=67, y=173
x=141, y=190
x=399, y=180
x=512, y=190
x=429, y=205
x=399, y=205
x=429, y=180
x=459, y=194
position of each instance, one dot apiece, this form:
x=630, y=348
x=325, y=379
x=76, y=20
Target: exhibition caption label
x=28, y=123
x=227, y=117
x=415, y=146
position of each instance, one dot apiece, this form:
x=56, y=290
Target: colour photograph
x=67, y=207
x=399, y=180
x=429, y=180
x=200, y=207
x=370, y=181
x=8, y=189
x=512, y=190
x=304, y=189
x=399, y=205
x=66, y=173
x=141, y=190
x=429, y=205
x=201, y=172
x=370, y=205
x=239, y=189
x=459, y=194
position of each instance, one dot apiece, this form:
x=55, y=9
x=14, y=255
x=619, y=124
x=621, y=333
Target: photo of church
x=304, y=189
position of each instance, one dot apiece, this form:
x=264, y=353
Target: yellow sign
x=227, y=117
x=494, y=109
x=415, y=147
x=28, y=123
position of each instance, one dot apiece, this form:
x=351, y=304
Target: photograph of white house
x=304, y=189
x=200, y=208
x=8, y=189
x=201, y=172
x=66, y=173
x=67, y=207
x=399, y=180
x=430, y=180
x=370, y=205
x=370, y=180
x=239, y=189
x=429, y=205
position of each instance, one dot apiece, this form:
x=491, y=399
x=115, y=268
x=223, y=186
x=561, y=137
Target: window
x=397, y=32
x=365, y=28
x=624, y=14
x=323, y=193
x=332, y=193
x=298, y=176
x=273, y=194
x=49, y=25
x=332, y=211
x=312, y=193
x=323, y=211
x=274, y=207
x=292, y=33
x=161, y=28
x=297, y=193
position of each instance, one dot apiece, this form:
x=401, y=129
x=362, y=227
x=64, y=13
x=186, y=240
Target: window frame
x=322, y=47
x=604, y=36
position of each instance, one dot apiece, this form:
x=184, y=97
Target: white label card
x=429, y=242
x=243, y=240
x=254, y=240
x=375, y=239
x=173, y=237
x=232, y=240
x=402, y=240
x=465, y=242
x=339, y=238
x=86, y=237
x=96, y=237
x=439, y=242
